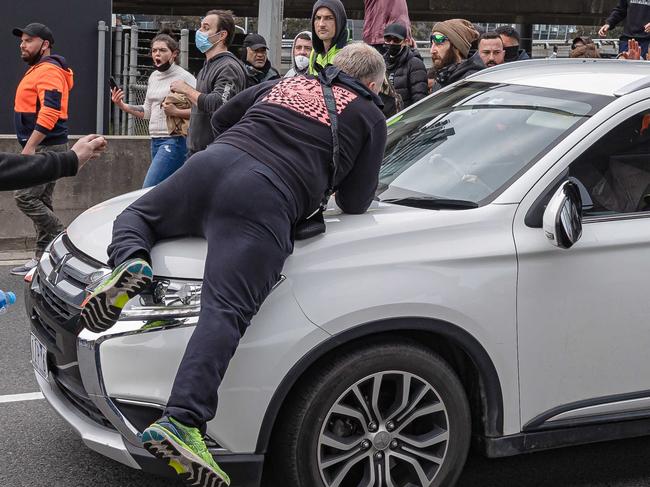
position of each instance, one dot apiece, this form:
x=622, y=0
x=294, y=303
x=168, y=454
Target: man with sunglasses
x=450, y=44
x=221, y=77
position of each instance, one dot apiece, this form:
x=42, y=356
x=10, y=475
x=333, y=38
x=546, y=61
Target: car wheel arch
x=444, y=338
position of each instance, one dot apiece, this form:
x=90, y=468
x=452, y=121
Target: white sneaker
x=25, y=268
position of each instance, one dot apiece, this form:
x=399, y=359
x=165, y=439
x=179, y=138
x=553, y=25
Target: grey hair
x=362, y=62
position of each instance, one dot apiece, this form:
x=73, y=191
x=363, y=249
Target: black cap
x=36, y=30
x=396, y=30
x=255, y=42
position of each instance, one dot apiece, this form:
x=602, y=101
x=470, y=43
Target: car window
x=614, y=173
x=470, y=143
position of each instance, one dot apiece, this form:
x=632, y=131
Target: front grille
x=82, y=403
x=56, y=306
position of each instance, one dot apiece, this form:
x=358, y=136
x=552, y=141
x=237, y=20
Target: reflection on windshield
x=470, y=143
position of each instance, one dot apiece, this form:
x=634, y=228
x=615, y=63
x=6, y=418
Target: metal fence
x=131, y=68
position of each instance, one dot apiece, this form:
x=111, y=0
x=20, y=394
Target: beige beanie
x=461, y=33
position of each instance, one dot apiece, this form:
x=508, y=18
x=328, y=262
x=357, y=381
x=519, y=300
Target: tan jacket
x=177, y=125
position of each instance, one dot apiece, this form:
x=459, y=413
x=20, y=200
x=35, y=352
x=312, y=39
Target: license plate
x=39, y=357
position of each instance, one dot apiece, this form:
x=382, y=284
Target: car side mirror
x=563, y=216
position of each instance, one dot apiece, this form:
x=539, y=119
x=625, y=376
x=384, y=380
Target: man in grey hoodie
x=300, y=51
x=221, y=77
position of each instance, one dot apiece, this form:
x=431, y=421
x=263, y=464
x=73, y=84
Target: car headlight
x=167, y=299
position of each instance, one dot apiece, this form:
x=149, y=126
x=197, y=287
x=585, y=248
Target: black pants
x=246, y=214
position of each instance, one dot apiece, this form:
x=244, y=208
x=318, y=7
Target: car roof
x=598, y=76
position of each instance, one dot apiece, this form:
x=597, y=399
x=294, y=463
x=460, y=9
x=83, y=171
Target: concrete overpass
x=579, y=12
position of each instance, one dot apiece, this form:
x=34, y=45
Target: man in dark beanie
x=450, y=44
x=329, y=33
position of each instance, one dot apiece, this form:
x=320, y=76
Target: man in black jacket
x=221, y=77
x=22, y=171
x=404, y=66
x=636, y=14
x=256, y=61
x=244, y=194
x=511, y=39
x=450, y=44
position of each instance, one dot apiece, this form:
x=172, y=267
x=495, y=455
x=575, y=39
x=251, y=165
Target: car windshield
x=461, y=148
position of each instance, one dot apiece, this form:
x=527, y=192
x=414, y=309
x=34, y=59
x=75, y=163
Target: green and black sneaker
x=102, y=307
x=185, y=451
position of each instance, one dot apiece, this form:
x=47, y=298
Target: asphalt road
x=38, y=449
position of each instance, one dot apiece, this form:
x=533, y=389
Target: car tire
x=326, y=415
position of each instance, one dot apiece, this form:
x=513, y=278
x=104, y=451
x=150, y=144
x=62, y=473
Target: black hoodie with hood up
x=318, y=55
x=285, y=125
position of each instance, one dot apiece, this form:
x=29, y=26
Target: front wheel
x=388, y=415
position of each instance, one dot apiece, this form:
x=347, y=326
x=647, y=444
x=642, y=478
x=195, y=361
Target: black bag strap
x=330, y=102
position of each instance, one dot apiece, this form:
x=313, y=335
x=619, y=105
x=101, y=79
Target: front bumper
x=75, y=385
x=245, y=470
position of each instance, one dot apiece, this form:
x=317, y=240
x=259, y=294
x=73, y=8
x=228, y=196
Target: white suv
x=453, y=309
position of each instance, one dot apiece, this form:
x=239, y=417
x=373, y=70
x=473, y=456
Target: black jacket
x=636, y=14
x=454, y=72
x=19, y=171
x=408, y=75
x=285, y=125
x=220, y=78
x=256, y=76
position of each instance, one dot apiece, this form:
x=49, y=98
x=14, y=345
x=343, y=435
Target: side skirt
x=533, y=441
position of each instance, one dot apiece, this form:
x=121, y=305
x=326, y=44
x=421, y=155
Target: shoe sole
x=101, y=311
x=190, y=468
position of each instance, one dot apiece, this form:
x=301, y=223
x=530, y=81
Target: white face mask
x=301, y=62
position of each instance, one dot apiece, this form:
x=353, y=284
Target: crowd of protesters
x=179, y=107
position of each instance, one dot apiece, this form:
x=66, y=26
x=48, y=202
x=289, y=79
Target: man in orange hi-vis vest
x=41, y=120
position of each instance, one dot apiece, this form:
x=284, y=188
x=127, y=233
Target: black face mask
x=512, y=53
x=164, y=67
x=393, y=49
x=36, y=57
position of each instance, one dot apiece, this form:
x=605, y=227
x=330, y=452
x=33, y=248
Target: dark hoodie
x=285, y=125
x=636, y=14
x=318, y=54
x=23, y=171
x=454, y=72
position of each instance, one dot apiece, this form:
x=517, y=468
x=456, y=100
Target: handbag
x=314, y=224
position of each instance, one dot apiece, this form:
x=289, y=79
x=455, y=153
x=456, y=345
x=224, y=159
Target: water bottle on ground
x=6, y=299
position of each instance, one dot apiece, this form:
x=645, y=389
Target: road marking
x=30, y=396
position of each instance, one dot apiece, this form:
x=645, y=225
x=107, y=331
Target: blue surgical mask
x=202, y=41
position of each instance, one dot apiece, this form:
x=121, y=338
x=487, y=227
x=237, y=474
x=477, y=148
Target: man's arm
x=229, y=82
x=22, y=171
x=357, y=190
x=618, y=14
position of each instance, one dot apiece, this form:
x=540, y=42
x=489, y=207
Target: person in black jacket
x=636, y=14
x=256, y=61
x=511, y=39
x=450, y=44
x=23, y=171
x=268, y=168
x=404, y=66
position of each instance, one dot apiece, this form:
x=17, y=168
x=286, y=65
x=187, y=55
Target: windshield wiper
x=431, y=203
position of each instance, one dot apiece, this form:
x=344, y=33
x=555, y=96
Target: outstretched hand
x=633, y=52
x=89, y=147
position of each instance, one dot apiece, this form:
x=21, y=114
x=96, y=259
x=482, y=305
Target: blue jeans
x=167, y=155
x=623, y=45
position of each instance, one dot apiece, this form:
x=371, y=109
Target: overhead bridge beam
x=516, y=11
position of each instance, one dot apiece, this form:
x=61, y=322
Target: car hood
x=184, y=257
